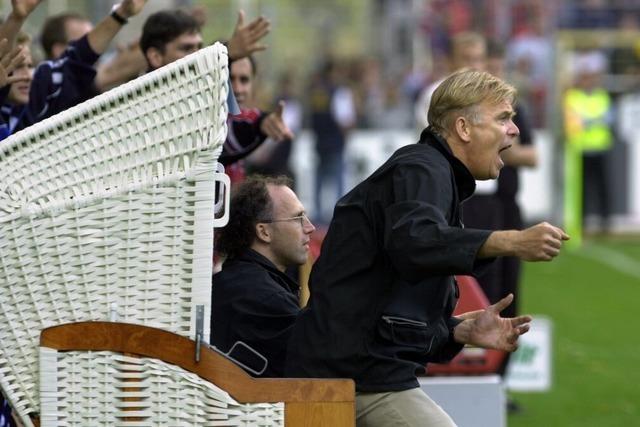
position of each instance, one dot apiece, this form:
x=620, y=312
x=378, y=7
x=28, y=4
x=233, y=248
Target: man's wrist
x=14, y=17
x=118, y=16
x=233, y=54
x=461, y=332
x=226, y=44
x=499, y=243
x=510, y=242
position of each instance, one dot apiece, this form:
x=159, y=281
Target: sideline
x=611, y=258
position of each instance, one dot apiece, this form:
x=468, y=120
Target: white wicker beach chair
x=106, y=212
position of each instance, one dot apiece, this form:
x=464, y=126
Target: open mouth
x=505, y=148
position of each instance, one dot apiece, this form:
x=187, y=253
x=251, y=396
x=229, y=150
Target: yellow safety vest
x=586, y=124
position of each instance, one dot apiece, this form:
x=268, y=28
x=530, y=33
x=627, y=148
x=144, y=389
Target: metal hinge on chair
x=199, y=329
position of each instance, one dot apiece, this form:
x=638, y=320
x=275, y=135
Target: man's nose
x=308, y=225
x=513, y=129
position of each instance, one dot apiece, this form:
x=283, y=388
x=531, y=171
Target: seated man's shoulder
x=238, y=274
x=238, y=269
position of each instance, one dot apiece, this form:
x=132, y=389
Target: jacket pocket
x=405, y=332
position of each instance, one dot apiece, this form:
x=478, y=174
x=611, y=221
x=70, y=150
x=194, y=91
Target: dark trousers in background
x=484, y=211
x=511, y=266
x=329, y=175
x=595, y=187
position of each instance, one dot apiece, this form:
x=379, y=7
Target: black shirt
x=253, y=302
x=382, y=290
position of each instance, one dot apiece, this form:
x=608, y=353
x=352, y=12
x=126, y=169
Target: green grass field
x=592, y=296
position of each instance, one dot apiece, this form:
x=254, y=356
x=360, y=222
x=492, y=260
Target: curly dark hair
x=249, y=205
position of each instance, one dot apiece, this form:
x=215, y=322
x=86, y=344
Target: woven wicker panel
x=147, y=129
x=106, y=211
x=104, y=388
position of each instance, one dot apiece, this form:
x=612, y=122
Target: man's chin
x=488, y=176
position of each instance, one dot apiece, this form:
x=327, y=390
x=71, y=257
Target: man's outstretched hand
x=245, y=39
x=10, y=59
x=486, y=329
x=541, y=242
x=274, y=126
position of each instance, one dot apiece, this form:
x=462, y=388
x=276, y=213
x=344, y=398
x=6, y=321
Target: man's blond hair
x=461, y=93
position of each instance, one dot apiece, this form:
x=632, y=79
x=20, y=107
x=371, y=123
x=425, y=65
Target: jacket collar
x=465, y=182
x=252, y=256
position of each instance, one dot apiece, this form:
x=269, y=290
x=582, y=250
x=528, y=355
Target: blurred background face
x=19, y=92
x=471, y=55
x=242, y=81
x=76, y=28
x=589, y=80
x=181, y=46
x=496, y=66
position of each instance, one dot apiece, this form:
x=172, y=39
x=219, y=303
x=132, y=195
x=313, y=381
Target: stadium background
x=591, y=292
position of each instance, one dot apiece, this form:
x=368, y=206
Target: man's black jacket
x=253, y=302
x=382, y=290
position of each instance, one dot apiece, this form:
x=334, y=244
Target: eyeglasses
x=304, y=219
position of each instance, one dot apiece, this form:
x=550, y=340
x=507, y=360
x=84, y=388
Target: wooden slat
x=313, y=414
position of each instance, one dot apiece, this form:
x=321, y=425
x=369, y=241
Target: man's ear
x=462, y=127
x=263, y=233
x=154, y=57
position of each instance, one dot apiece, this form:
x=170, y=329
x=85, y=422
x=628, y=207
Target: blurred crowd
x=384, y=91
x=332, y=93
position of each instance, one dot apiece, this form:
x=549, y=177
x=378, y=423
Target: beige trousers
x=408, y=408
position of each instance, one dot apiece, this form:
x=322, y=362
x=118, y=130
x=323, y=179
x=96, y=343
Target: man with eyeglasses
x=254, y=301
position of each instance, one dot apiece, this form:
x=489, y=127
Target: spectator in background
x=59, y=30
x=253, y=300
x=528, y=53
x=14, y=105
x=382, y=290
x=467, y=50
x=10, y=59
x=521, y=154
x=169, y=35
x=493, y=206
x=272, y=158
x=64, y=83
x=333, y=115
x=588, y=116
x=383, y=104
x=251, y=128
x=482, y=210
x=505, y=272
